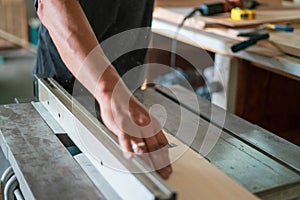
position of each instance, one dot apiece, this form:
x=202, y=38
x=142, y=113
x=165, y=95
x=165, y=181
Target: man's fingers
x=125, y=144
x=161, y=138
x=160, y=157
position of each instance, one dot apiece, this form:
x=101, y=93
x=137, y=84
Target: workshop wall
x=16, y=79
x=13, y=20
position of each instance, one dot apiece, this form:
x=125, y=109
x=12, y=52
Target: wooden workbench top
x=279, y=43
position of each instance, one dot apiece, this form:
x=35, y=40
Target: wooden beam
x=17, y=41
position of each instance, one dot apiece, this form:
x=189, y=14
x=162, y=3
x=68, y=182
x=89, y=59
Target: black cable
x=174, y=40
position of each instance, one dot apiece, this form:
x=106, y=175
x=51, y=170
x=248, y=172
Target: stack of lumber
x=13, y=20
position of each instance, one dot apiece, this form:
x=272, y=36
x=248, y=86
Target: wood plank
x=193, y=3
x=271, y=3
x=262, y=16
x=12, y=40
x=11, y=2
x=287, y=42
x=194, y=177
x=179, y=3
x=3, y=26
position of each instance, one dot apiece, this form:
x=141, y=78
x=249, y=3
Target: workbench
x=224, y=156
x=276, y=76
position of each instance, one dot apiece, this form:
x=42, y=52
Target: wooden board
x=195, y=178
x=193, y=3
x=287, y=42
x=179, y=3
x=262, y=16
x=271, y=3
x=176, y=16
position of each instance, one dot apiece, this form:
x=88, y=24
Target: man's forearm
x=77, y=44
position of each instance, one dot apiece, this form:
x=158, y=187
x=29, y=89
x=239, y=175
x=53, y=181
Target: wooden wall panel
x=269, y=100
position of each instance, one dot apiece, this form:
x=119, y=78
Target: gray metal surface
x=259, y=138
x=43, y=167
x=82, y=160
x=251, y=168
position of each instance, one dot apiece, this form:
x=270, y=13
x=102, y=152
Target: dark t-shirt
x=107, y=18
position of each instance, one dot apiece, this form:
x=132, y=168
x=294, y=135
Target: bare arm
x=75, y=40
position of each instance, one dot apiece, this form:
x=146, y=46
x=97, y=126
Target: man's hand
x=137, y=131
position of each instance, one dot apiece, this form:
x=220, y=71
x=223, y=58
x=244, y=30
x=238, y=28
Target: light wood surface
x=287, y=42
x=195, y=178
x=262, y=16
x=14, y=40
x=179, y=3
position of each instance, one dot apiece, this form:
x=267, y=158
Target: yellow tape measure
x=242, y=14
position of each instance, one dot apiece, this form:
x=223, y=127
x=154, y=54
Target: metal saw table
x=34, y=136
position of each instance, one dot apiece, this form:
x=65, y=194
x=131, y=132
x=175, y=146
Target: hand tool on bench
x=254, y=37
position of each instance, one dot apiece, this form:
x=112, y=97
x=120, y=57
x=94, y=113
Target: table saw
x=241, y=161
